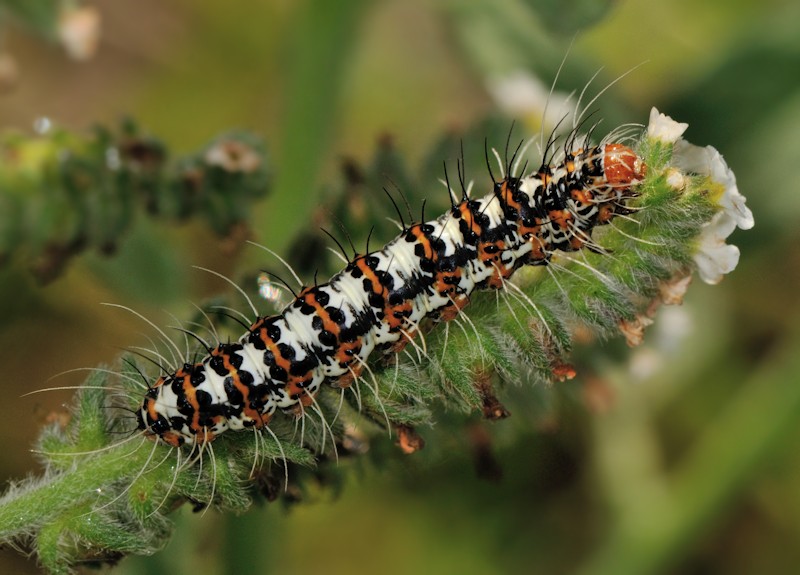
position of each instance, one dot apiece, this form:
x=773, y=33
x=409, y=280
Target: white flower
x=79, y=31
x=662, y=127
x=714, y=257
x=521, y=94
x=709, y=162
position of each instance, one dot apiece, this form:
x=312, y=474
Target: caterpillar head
x=622, y=166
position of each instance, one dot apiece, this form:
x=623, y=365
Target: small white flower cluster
x=714, y=257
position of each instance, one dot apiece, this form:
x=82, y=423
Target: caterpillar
x=378, y=301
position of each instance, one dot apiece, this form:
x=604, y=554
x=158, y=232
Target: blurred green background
x=677, y=457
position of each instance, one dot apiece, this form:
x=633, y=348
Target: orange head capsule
x=622, y=166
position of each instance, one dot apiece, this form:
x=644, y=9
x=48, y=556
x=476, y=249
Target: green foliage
x=40, y=16
x=62, y=193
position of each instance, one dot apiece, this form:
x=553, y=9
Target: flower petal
x=663, y=128
x=707, y=161
x=714, y=257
